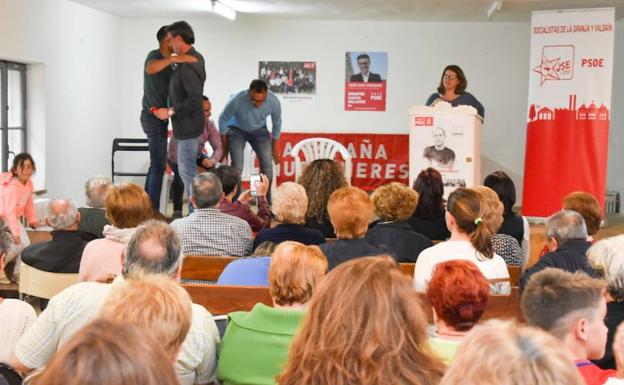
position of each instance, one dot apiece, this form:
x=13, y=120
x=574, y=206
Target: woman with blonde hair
x=127, y=206
x=290, y=204
x=107, y=352
x=502, y=352
x=364, y=326
x=472, y=222
x=260, y=338
x=320, y=179
x=394, y=204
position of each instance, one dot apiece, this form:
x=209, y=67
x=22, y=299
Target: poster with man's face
x=365, y=80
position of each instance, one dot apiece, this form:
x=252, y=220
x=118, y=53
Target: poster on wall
x=365, y=81
x=569, y=105
x=448, y=141
x=376, y=159
x=289, y=79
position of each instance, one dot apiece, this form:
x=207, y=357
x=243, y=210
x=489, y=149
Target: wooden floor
x=614, y=225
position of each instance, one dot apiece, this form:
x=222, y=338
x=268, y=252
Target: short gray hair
x=153, y=249
x=566, y=225
x=63, y=219
x=206, y=190
x=607, y=258
x=96, y=189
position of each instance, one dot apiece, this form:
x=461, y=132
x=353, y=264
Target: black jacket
x=344, y=250
x=400, y=237
x=570, y=256
x=372, y=78
x=185, y=95
x=60, y=255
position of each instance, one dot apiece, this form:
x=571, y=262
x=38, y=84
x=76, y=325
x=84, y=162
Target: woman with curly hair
x=320, y=179
x=364, y=326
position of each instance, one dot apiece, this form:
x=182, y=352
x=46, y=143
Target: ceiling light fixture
x=495, y=7
x=221, y=9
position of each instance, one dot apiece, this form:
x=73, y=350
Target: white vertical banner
x=571, y=71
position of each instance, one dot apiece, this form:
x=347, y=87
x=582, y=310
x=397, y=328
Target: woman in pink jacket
x=16, y=201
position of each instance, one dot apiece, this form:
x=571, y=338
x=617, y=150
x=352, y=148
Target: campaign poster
x=365, y=81
x=570, y=81
x=289, y=79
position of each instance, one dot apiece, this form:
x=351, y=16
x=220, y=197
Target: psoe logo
x=557, y=63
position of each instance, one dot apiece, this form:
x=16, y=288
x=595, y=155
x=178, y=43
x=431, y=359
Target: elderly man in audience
x=153, y=249
x=567, y=242
x=230, y=180
x=261, y=337
x=61, y=254
x=572, y=308
x=93, y=217
x=207, y=231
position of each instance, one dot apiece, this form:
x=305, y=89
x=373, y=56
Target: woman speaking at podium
x=452, y=89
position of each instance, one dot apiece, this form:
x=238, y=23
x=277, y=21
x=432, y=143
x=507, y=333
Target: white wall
x=615, y=174
x=494, y=56
x=74, y=87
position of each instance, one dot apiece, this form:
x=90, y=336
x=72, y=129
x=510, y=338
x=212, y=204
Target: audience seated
x=513, y=224
x=502, y=353
x=394, y=204
x=107, y=352
x=230, y=180
x=255, y=344
x=572, y=308
x=502, y=244
x=458, y=293
x=153, y=249
x=428, y=218
x=364, y=325
x=472, y=222
x=252, y=271
x=350, y=210
x=15, y=316
x=607, y=258
x=332, y=176
x=208, y=231
x=289, y=205
x=93, y=217
x=127, y=205
x=567, y=242
x=587, y=205
x=62, y=254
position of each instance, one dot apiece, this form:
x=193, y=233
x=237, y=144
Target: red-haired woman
x=458, y=293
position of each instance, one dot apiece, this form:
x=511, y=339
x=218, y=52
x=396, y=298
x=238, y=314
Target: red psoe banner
x=376, y=158
x=569, y=102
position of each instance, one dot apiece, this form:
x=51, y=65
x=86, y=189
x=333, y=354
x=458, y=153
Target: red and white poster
x=376, y=158
x=569, y=107
x=365, y=81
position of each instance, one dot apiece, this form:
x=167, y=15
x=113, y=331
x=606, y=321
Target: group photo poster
x=289, y=79
x=365, y=81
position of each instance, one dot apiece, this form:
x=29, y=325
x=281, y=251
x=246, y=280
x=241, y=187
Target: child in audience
x=350, y=210
x=472, y=222
x=16, y=200
x=502, y=353
x=571, y=307
x=364, y=326
x=255, y=344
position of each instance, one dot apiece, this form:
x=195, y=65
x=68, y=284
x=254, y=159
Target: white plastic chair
x=43, y=284
x=320, y=148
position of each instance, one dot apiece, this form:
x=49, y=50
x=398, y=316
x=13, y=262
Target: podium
x=448, y=139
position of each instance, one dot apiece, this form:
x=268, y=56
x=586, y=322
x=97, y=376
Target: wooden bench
x=218, y=299
x=204, y=267
x=36, y=236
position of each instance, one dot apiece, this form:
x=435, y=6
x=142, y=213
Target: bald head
x=153, y=249
x=61, y=214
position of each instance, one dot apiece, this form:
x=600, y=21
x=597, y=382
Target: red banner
x=377, y=159
x=360, y=96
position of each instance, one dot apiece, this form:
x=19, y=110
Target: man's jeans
x=260, y=142
x=156, y=131
x=187, y=153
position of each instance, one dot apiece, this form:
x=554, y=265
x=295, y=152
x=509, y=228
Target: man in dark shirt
x=567, y=242
x=438, y=155
x=157, y=73
x=185, y=95
x=63, y=253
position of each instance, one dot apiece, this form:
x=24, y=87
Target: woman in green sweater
x=255, y=345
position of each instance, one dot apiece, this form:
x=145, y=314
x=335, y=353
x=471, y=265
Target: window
x=12, y=111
